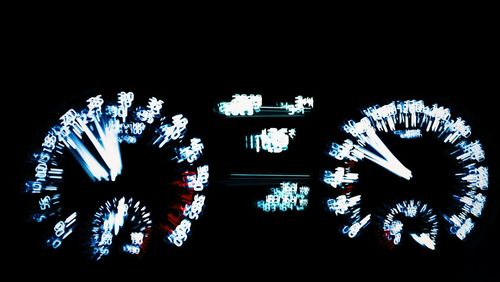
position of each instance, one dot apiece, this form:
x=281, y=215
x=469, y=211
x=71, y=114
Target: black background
x=232, y=235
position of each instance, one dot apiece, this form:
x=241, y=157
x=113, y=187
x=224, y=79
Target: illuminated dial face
x=409, y=172
x=124, y=219
x=142, y=167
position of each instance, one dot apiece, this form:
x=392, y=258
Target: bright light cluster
x=251, y=105
x=342, y=203
x=93, y=136
x=62, y=229
x=178, y=225
x=408, y=133
x=45, y=183
x=340, y=178
x=271, y=140
x=393, y=225
x=180, y=234
x=288, y=197
x=352, y=230
x=241, y=105
x=409, y=119
x=190, y=153
x=111, y=219
x=172, y=131
x=300, y=106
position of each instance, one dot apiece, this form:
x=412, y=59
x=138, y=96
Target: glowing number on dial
x=94, y=136
x=113, y=218
x=409, y=119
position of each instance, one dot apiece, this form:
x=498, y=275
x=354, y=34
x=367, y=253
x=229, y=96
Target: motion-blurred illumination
x=94, y=136
x=410, y=119
x=288, y=197
x=250, y=105
x=271, y=140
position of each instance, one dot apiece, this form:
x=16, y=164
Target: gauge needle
x=120, y=215
x=103, y=140
x=108, y=148
x=388, y=160
x=424, y=239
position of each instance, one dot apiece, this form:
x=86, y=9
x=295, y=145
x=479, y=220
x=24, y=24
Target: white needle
x=105, y=141
x=119, y=217
x=388, y=160
x=424, y=239
x=108, y=148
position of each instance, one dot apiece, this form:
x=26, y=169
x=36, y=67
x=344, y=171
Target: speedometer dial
x=411, y=171
x=118, y=167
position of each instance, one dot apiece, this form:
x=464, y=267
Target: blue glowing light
x=241, y=105
x=94, y=136
x=110, y=220
x=62, y=229
x=180, y=234
x=247, y=105
x=408, y=133
x=342, y=203
x=190, y=153
x=288, y=197
x=300, y=106
x=173, y=131
x=410, y=119
x=358, y=224
x=340, y=178
x=103, y=136
x=198, y=180
x=393, y=225
x=271, y=140
x=193, y=211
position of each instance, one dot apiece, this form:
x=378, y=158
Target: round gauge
x=408, y=172
x=124, y=220
x=104, y=151
x=418, y=220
